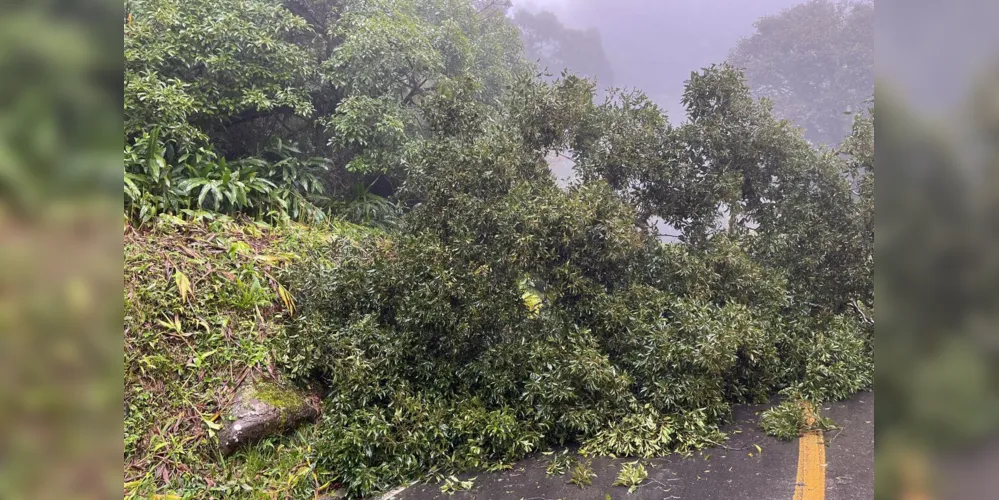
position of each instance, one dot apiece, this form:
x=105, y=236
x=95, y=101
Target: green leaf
x=183, y=285
x=205, y=189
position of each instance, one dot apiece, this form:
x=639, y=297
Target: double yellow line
x=810, y=483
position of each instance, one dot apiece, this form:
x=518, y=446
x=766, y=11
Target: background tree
x=558, y=47
x=815, y=61
x=653, y=45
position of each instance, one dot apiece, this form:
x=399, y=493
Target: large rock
x=263, y=409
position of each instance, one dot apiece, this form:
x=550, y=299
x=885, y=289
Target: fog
x=933, y=52
x=655, y=44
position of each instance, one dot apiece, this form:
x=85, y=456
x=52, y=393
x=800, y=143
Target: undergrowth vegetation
x=201, y=302
x=280, y=109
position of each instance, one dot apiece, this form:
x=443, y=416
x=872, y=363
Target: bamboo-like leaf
x=212, y=425
x=130, y=188
x=205, y=188
x=183, y=285
x=289, y=301
x=158, y=165
x=216, y=194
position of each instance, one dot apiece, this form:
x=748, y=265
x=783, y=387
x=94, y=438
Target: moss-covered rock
x=262, y=409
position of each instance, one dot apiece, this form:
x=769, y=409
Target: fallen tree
x=510, y=314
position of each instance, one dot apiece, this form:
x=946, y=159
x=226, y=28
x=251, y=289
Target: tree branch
x=490, y=4
x=254, y=114
x=863, y=316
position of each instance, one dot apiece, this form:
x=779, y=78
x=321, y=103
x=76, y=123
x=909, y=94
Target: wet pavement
x=738, y=470
x=850, y=449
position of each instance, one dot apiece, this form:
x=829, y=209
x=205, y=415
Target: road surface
x=836, y=465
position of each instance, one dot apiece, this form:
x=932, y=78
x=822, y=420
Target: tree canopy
x=231, y=105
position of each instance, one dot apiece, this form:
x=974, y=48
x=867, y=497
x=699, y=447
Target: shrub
x=277, y=185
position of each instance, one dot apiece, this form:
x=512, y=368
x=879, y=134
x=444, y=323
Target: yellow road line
x=810, y=483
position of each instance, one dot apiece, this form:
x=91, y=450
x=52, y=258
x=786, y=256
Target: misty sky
x=655, y=44
x=929, y=49
x=934, y=51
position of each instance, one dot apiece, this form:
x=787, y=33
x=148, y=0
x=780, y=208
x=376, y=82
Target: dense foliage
x=498, y=313
x=262, y=106
x=734, y=168
x=815, y=61
x=509, y=314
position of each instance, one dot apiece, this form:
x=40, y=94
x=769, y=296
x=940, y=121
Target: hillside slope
x=202, y=302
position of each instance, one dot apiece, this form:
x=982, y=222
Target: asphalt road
x=737, y=471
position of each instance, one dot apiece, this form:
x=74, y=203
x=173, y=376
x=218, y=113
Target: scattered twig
x=716, y=443
x=239, y=381
x=660, y=483
x=836, y=436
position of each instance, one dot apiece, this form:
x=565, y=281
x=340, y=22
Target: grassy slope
x=186, y=350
